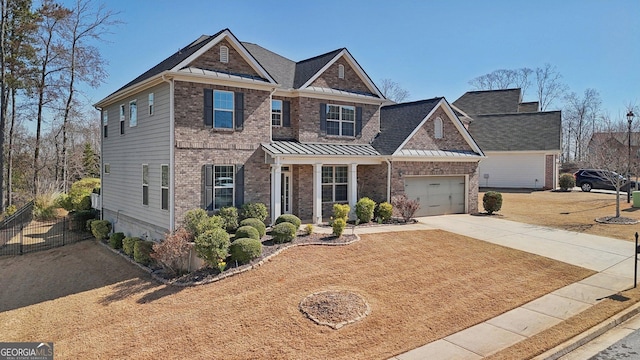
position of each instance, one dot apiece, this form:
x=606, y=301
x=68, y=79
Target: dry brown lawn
x=421, y=286
x=574, y=211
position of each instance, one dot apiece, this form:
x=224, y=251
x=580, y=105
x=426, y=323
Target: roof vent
x=341, y=71
x=224, y=54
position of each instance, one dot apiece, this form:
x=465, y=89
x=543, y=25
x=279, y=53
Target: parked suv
x=588, y=179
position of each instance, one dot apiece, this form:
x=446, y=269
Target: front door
x=285, y=191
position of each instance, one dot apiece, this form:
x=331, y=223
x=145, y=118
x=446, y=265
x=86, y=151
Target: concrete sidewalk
x=611, y=258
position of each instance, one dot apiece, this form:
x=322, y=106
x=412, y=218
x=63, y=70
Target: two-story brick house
x=222, y=122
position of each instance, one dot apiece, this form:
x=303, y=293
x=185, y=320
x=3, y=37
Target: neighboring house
x=223, y=123
x=616, y=144
x=522, y=144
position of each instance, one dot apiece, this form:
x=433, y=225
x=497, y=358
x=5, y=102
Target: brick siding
x=424, y=138
x=351, y=81
x=210, y=60
x=548, y=172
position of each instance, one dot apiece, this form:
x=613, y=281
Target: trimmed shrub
x=244, y=250
x=82, y=217
x=247, y=232
x=101, y=229
x=128, y=245
x=364, y=209
x=292, y=219
x=308, y=229
x=213, y=246
x=341, y=211
x=172, y=253
x=229, y=217
x=255, y=223
x=492, y=201
x=254, y=210
x=84, y=203
x=197, y=221
x=88, y=224
x=78, y=193
x=338, y=226
x=284, y=232
x=385, y=211
x=115, y=240
x=567, y=181
x=142, y=252
x=406, y=207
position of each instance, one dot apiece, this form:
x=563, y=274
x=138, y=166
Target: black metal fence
x=20, y=233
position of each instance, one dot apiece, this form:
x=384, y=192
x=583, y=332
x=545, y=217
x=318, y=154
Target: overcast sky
x=431, y=48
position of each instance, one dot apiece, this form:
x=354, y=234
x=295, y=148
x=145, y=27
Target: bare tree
x=549, y=85
x=84, y=62
x=393, y=91
x=504, y=79
x=580, y=116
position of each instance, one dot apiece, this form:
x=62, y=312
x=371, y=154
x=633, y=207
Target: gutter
x=172, y=135
x=389, y=169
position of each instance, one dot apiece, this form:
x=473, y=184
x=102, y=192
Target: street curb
x=581, y=339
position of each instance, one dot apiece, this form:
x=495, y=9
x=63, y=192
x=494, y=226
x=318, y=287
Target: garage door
x=437, y=195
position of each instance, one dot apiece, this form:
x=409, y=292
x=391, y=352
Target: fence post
x=21, y=236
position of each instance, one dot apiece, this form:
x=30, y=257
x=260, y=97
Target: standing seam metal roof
x=296, y=148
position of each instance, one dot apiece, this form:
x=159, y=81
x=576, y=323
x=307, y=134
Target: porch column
x=276, y=192
x=317, y=193
x=352, y=189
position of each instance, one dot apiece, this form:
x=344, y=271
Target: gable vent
x=341, y=71
x=224, y=54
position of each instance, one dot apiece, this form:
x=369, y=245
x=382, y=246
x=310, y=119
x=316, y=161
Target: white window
x=341, y=120
x=105, y=121
x=133, y=113
x=224, y=54
x=223, y=184
x=107, y=168
x=150, y=103
x=438, y=131
x=145, y=184
x=122, y=119
x=276, y=112
x=334, y=183
x=341, y=71
x=164, y=186
x=223, y=109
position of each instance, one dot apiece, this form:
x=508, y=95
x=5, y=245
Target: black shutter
x=207, y=187
x=208, y=107
x=239, y=110
x=323, y=118
x=286, y=114
x=358, y=120
x=239, y=185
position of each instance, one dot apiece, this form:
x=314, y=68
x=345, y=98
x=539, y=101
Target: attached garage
x=437, y=195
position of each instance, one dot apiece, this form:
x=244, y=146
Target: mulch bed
x=269, y=249
x=620, y=220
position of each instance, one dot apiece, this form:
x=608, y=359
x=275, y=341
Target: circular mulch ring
x=335, y=308
x=617, y=220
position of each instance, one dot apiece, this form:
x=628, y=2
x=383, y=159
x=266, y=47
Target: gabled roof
x=306, y=69
x=518, y=132
x=621, y=137
x=398, y=121
x=489, y=102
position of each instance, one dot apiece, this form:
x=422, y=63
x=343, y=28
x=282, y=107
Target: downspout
x=172, y=135
x=388, y=180
x=270, y=106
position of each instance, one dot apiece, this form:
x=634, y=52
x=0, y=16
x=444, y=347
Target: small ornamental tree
x=492, y=201
x=341, y=211
x=405, y=206
x=364, y=209
x=567, y=182
x=338, y=226
x=197, y=221
x=213, y=246
x=229, y=217
x=172, y=253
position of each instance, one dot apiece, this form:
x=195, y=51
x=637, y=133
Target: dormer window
x=438, y=128
x=224, y=54
x=341, y=71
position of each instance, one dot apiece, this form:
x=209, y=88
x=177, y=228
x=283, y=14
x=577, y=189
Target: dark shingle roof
x=489, y=102
x=305, y=69
x=279, y=67
x=517, y=132
x=398, y=121
x=173, y=60
x=621, y=137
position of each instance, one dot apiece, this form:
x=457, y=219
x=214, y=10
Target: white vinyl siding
x=149, y=144
x=512, y=170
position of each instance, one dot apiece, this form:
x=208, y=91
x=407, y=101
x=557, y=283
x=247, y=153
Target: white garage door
x=437, y=195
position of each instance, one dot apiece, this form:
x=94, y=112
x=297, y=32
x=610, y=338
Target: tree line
x=48, y=54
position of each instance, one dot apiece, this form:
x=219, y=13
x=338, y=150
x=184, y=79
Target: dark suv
x=588, y=179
